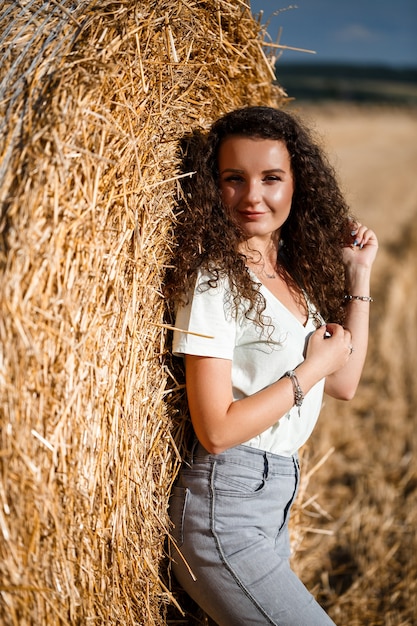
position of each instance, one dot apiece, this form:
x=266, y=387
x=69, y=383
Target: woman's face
x=256, y=184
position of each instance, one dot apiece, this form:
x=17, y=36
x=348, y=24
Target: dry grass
x=370, y=484
x=362, y=565
x=94, y=97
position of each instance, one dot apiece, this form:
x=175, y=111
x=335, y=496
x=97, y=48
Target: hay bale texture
x=94, y=97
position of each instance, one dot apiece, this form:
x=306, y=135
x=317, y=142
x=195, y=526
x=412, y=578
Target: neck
x=261, y=251
x=262, y=257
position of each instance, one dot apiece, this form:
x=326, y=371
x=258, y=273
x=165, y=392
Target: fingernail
x=356, y=242
x=353, y=232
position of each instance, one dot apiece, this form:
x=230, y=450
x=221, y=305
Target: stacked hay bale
x=94, y=97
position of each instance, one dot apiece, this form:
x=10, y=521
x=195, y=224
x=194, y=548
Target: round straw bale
x=94, y=97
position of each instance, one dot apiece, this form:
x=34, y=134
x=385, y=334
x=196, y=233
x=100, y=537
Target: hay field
x=365, y=573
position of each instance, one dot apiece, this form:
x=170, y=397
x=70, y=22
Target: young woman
x=271, y=281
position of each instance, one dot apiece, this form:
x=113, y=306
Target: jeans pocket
x=177, y=506
x=237, y=480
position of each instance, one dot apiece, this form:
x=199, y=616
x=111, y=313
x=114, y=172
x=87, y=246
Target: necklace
x=256, y=260
x=259, y=270
x=262, y=272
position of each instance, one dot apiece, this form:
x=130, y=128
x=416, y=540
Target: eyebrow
x=238, y=171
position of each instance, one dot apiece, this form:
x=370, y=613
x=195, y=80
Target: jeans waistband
x=245, y=455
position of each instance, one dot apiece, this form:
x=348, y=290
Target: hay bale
x=94, y=97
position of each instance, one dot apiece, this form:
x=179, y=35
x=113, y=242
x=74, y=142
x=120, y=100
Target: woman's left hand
x=362, y=248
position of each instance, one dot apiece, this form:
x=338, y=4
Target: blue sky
x=352, y=31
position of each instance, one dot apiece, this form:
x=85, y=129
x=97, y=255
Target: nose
x=252, y=192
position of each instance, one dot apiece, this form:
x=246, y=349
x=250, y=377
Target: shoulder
x=205, y=325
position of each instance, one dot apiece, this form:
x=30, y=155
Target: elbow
x=212, y=447
x=345, y=394
x=211, y=443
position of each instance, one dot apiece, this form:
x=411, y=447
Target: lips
x=251, y=215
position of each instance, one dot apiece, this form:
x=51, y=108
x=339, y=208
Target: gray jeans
x=230, y=513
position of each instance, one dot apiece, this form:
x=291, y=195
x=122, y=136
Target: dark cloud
x=362, y=31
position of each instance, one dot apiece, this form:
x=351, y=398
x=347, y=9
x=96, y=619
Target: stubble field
x=361, y=559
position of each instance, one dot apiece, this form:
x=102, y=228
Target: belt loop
x=190, y=459
x=266, y=466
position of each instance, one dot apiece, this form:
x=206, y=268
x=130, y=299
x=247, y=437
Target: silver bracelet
x=363, y=298
x=298, y=392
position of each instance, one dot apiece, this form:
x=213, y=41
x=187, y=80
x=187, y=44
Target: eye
x=272, y=178
x=233, y=178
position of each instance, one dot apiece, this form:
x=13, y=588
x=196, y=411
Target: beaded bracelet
x=363, y=298
x=298, y=392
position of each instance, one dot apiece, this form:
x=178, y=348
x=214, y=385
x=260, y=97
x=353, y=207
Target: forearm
x=221, y=422
x=343, y=383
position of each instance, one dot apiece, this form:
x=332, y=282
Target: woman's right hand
x=328, y=349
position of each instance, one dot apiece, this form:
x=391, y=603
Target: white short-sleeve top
x=260, y=356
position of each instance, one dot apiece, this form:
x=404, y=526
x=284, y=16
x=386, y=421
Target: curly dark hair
x=312, y=237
